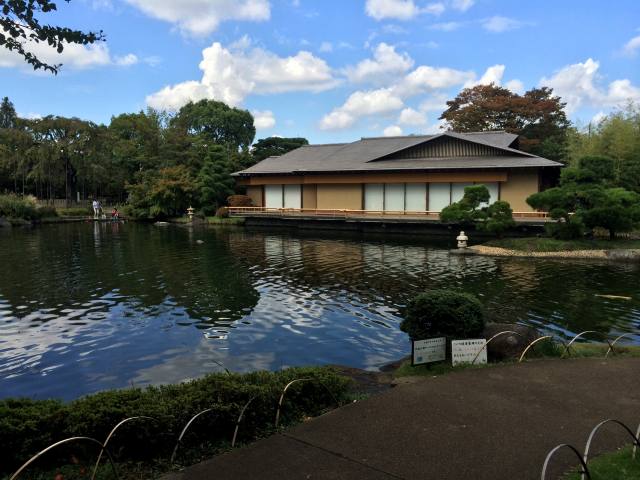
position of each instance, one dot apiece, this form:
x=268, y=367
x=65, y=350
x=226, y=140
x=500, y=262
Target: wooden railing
x=346, y=213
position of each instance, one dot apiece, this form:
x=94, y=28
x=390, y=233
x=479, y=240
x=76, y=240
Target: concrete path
x=494, y=423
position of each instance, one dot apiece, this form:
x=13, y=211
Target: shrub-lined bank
x=27, y=426
x=19, y=210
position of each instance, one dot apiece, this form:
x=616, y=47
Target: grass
x=543, y=244
x=225, y=221
x=617, y=465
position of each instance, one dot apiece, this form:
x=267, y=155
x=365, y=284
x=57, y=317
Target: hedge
x=27, y=426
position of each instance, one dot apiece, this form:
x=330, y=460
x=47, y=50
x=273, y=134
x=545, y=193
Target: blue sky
x=332, y=70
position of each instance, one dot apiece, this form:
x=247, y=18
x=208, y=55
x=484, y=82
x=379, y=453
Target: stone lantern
x=462, y=240
x=190, y=211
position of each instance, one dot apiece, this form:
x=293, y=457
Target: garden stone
x=508, y=346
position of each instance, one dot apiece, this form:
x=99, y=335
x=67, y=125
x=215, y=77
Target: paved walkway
x=495, y=423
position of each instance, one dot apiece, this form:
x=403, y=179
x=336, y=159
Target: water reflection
x=85, y=307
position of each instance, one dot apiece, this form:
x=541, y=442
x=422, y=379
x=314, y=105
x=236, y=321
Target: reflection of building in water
x=278, y=249
x=522, y=274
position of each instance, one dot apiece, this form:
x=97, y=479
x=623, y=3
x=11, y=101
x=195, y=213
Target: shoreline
x=620, y=254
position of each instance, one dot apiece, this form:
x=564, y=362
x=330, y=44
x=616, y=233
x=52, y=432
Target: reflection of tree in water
x=153, y=269
x=546, y=293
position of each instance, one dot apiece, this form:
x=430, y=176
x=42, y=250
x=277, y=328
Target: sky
x=331, y=70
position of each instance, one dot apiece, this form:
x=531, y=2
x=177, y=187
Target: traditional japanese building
x=399, y=174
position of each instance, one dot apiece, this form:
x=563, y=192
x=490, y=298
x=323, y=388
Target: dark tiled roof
x=359, y=156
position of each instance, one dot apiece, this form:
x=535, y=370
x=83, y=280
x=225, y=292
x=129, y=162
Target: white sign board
x=465, y=351
x=428, y=351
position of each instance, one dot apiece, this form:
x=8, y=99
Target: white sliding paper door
x=457, y=191
x=374, y=196
x=439, y=196
x=416, y=197
x=273, y=196
x=292, y=196
x=394, y=197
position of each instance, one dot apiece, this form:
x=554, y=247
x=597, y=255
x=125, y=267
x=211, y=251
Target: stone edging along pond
x=614, y=254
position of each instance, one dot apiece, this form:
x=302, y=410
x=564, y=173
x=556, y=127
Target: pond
x=86, y=307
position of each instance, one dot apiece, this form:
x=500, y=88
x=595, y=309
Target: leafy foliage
x=473, y=210
x=217, y=123
x=443, y=313
x=27, y=426
x=165, y=193
x=499, y=218
x=214, y=181
x=537, y=116
x=276, y=146
x=587, y=198
x=617, y=137
x=467, y=211
x=55, y=157
x=8, y=115
x=20, y=27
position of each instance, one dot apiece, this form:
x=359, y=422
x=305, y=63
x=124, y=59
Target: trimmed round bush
x=443, y=313
x=222, y=212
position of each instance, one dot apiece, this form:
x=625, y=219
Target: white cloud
x=632, y=46
x=426, y=78
x=446, y=26
x=360, y=104
x=493, y=74
x=126, y=60
x=409, y=116
x=462, y=5
x=392, y=131
x=263, y=120
x=400, y=9
x=434, y=103
x=386, y=63
x=229, y=75
x=201, y=17
x=73, y=57
x=152, y=60
x=579, y=84
x=515, y=86
x=499, y=24
x=326, y=47
x=337, y=120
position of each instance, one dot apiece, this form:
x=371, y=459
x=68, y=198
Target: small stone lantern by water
x=190, y=211
x=462, y=240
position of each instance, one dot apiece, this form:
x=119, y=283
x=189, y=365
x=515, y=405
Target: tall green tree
x=616, y=136
x=214, y=181
x=20, y=27
x=218, y=123
x=275, y=146
x=537, y=116
x=8, y=116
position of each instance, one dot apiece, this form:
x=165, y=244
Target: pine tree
x=8, y=114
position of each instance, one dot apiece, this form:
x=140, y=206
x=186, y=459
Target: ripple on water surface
x=89, y=307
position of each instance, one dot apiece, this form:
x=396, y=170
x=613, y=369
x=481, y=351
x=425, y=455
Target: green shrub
x=15, y=206
x=27, y=426
x=239, y=201
x=75, y=212
x=222, y=212
x=499, y=218
x=47, y=211
x=443, y=313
